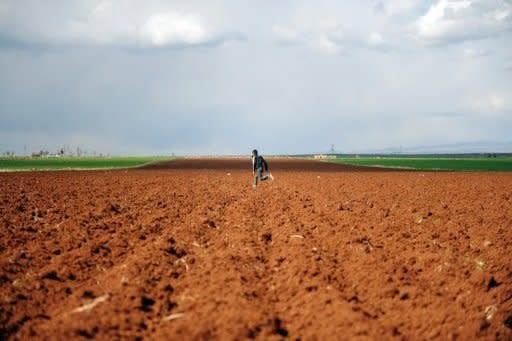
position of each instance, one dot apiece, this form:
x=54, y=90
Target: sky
x=203, y=77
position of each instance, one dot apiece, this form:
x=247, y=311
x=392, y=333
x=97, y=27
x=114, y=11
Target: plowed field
x=189, y=250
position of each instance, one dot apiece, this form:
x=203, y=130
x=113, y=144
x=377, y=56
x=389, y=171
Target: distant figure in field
x=258, y=162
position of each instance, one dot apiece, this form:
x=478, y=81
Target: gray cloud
x=172, y=76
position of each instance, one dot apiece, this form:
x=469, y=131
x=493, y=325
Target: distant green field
x=456, y=164
x=54, y=163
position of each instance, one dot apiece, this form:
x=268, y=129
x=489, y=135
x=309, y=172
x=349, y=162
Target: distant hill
x=452, y=148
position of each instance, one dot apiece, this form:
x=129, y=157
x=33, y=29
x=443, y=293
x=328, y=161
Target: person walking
x=258, y=164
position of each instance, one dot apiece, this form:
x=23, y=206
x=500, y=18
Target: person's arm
x=253, y=164
x=265, y=164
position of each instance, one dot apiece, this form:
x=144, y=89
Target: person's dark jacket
x=259, y=162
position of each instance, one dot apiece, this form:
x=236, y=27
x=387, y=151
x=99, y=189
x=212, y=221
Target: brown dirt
x=184, y=250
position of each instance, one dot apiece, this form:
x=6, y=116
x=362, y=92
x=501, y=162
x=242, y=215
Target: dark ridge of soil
x=275, y=164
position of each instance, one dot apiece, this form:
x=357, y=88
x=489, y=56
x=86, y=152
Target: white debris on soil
x=480, y=264
x=182, y=261
x=487, y=243
x=490, y=311
x=174, y=316
x=90, y=306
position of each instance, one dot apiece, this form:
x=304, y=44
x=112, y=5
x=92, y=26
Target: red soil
x=324, y=251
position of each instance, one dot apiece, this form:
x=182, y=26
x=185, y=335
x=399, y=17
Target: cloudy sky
x=223, y=77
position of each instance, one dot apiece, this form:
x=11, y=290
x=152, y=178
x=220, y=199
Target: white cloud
x=376, y=39
x=286, y=35
x=114, y=23
x=397, y=7
x=330, y=40
x=457, y=20
x=497, y=102
x=324, y=37
x=172, y=28
x=325, y=44
x=489, y=105
x=342, y=29
x=469, y=53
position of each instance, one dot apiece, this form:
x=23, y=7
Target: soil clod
x=146, y=304
x=492, y=283
x=508, y=322
x=267, y=237
x=279, y=329
x=51, y=275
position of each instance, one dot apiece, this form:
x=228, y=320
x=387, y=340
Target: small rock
x=487, y=243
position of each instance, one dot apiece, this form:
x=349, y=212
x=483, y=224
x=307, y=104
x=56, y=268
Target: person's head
x=254, y=152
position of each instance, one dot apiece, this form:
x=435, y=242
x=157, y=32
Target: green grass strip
x=431, y=163
x=55, y=163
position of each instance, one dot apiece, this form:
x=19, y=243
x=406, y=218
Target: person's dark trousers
x=259, y=176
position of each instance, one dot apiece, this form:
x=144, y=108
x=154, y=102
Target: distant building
x=323, y=157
